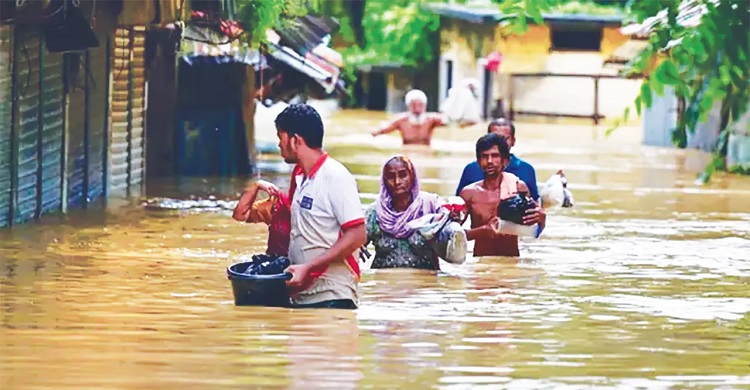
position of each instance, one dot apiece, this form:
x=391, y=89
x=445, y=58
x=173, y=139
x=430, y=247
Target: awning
x=322, y=63
x=627, y=52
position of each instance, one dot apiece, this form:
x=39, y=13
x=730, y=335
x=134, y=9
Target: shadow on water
x=642, y=284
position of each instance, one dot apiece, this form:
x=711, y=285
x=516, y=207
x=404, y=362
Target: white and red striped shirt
x=324, y=204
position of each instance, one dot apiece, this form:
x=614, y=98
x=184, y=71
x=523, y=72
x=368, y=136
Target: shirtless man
x=416, y=126
x=483, y=197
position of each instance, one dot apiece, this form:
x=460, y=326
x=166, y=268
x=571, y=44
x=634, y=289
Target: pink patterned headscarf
x=394, y=222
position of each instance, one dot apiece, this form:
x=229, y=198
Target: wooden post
x=596, y=100
x=510, y=98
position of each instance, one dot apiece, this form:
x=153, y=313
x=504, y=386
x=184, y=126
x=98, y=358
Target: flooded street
x=643, y=284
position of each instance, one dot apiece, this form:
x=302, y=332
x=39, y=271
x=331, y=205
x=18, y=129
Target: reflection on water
x=642, y=284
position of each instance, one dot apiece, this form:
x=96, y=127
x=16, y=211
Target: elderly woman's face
x=398, y=179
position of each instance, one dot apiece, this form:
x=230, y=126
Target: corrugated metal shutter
x=76, y=161
x=27, y=45
x=6, y=107
x=52, y=132
x=98, y=107
x=119, y=150
x=138, y=106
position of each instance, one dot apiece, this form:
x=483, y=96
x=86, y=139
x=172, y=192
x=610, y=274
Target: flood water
x=643, y=284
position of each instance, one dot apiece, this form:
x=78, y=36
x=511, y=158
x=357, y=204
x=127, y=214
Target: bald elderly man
x=417, y=125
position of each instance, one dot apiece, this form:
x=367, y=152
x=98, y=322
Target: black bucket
x=258, y=290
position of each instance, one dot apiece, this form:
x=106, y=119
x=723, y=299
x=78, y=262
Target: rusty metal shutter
x=98, y=84
x=138, y=106
x=51, y=136
x=76, y=127
x=6, y=107
x=27, y=49
x=119, y=148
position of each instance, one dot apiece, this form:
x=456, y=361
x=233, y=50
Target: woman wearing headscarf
x=388, y=219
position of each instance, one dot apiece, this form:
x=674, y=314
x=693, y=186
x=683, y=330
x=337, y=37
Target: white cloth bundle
x=555, y=191
x=462, y=104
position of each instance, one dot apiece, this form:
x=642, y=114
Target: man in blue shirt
x=472, y=173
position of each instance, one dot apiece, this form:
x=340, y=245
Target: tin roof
x=305, y=33
x=491, y=15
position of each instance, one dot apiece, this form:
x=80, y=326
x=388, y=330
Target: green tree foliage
x=704, y=61
x=260, y=15
x=396, y=31
x=380, y=32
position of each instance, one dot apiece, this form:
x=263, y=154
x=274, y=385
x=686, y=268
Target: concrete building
x=549, y=70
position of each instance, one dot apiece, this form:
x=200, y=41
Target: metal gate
x=98, y=85
x=119, y=147
x=128, y=110
x=51, y=134
x=76, y=74
x=27, y=86
x=6, y=118
x=138, y=105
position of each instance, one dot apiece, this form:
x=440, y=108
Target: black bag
x=264, y=264
x=514, y=208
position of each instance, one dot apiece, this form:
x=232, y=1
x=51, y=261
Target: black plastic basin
x=258, y=290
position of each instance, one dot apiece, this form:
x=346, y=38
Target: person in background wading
x=417, y=125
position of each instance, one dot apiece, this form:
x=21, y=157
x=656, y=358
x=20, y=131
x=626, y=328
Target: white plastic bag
x=514, y=229
x=446, y=237
x=554, y=192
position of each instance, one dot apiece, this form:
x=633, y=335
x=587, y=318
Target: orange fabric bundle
x=261, y=211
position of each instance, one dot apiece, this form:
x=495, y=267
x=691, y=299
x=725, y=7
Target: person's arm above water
x=530, y=180
x=351, y=239
x=347, y=210
x=439, y=120
x=245, y=205
x=484, y=231
x=528, y=176
x=537, y=215
x=393, y=126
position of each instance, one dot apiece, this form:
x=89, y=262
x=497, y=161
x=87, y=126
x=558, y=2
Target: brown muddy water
x=644, y=284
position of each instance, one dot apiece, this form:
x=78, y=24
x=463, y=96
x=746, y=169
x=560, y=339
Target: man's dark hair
x=487, y=141
x=304, y=121
x=502, y=122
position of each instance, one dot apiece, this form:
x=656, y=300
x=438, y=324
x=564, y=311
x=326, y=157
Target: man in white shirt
x=327, y=217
